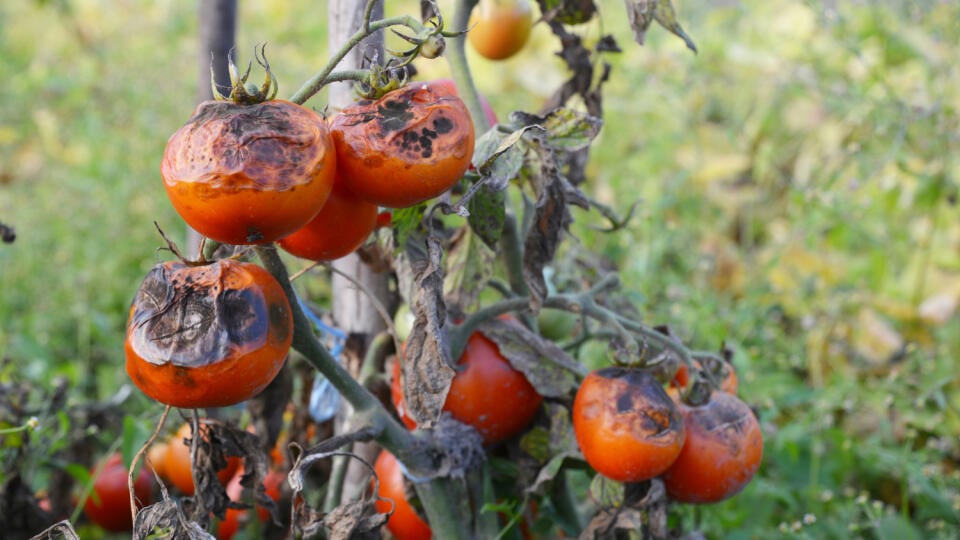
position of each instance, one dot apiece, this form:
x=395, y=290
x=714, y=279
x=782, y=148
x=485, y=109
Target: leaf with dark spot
x=487, y=214
x=549, y=368
x=470, y=264
x=427, y=371
x=551, y=218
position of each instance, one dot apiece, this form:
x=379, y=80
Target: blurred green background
x=798, y=200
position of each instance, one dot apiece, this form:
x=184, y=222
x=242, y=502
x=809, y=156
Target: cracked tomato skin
x=628, y=428
x=207, y=336
x=249, y=174
x=406, y=147
x=343, y=225
x=722, y=452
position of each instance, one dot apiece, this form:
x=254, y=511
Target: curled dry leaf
x=61, y=530
x=308, y=520
x=166, y=520
x=426, y=370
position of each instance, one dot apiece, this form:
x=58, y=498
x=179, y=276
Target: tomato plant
x=500, y=28
x=487, y=393
x=722, y=451
x=627, y=426
x=207, y=336
x=249, y=173
x=410, y=145
x=177, y=463
x=342, y=225
x=404, y=523
x=109, y=504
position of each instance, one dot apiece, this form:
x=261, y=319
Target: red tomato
x=500, y=28
x=722, y=452
x=628, y=428
x=404, y=148
x=109, y=504
x=249, y=174
x=339, y=229
x=404, y=523
x=177, y=465
x=396, y=392
x=207, y=336
x=488, y=394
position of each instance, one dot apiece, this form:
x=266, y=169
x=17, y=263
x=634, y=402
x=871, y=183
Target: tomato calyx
x=381, y=80
x=243, y=92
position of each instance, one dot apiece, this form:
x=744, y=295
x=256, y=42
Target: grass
x=798, y=200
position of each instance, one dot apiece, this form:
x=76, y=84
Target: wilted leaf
x=550, y=219
x=354, y=521
x=62, y=530
x=569, y=130
x=469, y=265
x=166, y=520
x=548, y=367
x=498, y=157
x=426, y=370
x=641, y=13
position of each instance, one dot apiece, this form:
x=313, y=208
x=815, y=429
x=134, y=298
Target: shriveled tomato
x=177, y=464
x=406, y=147
x=342, y=226
x=237, y=518
x=722, y=452
x=500, y=28
x=404, y=523
x=488, y=394
x=109, y=503
x=627, y=426
x=249, y=174
x=488, y=111
x=207, y=336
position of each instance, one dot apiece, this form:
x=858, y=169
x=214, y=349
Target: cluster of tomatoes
x=705, y=445
x=214, y=334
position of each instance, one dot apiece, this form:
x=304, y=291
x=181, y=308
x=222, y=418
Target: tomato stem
x=322, y=78
x=460, y=70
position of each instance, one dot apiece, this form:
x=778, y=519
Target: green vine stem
x=456, y=55
x=393, y=436
x=323, y=77
x=585, y=303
